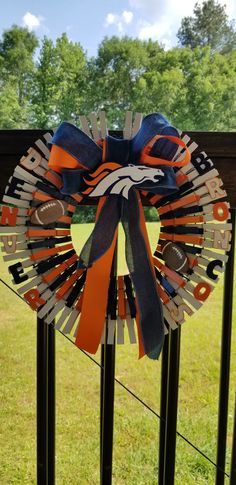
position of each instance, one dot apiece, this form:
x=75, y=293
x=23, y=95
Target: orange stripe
x=68, y=283
x=140, y=340
x=168, y=222
x=188, y=199
x=97, y=179
x=54, y=179
x=49, y=252
x=47, y=232
x=77, y=197
x=192, y=260
x=60, y=159
x=182, y=238
x=87, y=191
x=182, y=221
x=95, y=298
x=42, y=197
x=155, y=199
x=188, y=220
x=181, y=178
x=188, y=239
x=66, y=219
x=71, y=208
x=56, y=271
x=121, y=298
x=169, y=272
x=104, y=167
x=163, y=295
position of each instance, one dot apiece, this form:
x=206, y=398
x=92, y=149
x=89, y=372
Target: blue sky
x=88, y=21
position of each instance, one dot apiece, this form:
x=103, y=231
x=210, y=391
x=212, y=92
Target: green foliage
x=208, y=26
x=12, y=115
x=115, y=75
x=45, y=88
x=86, y=214
x=17, y=49
x=59, y=82
x=151, y=214
x=193, y=86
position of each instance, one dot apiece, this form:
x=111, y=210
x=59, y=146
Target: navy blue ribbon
x=117, y=208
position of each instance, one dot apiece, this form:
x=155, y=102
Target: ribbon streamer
x=115, y=170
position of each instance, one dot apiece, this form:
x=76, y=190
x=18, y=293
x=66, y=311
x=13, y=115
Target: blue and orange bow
x=115, y=170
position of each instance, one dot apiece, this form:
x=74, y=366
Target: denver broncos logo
x=112, y=178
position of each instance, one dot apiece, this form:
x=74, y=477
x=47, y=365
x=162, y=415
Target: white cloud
x=127, y=16
x=31, y=21
x=159, y=30
x=119, y=20
x=120, y=27
x=151, y=7
x=170, y=7
x=111, y=19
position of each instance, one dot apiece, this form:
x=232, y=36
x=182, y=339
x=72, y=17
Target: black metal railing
x=46, y=377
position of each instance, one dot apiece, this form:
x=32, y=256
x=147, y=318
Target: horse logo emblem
x=112, y=178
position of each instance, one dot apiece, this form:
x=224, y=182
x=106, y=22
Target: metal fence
x=221, y=147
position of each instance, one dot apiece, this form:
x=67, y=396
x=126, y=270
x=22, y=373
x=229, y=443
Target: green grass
x=136, y=429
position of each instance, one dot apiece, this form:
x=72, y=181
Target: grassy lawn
x=136, y=429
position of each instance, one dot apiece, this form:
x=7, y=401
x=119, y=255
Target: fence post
x=233, y=456
x=45, y=403
x=225, y=360
x=107, y=411
x=163, y=409
x=172, y=406
x=51, y=404
x=107, y=391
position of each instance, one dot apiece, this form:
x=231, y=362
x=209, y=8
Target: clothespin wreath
x=154, y=161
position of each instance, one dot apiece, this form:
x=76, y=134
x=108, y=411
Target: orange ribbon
x=95, y=295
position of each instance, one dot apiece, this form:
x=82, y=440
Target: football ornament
x=153, y=162
x=175, y=257
x=48, y=212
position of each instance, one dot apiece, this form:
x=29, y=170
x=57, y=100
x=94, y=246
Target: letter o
x=220, y=211
x=199, y=295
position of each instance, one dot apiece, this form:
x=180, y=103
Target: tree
x=208, y=26
x=115, y=73
x=163, y=87
x=17, y=48
x=211, y=96
x=193, y=88
x=71, y=77
x=11, y=113
x=45, y=95
x=59, y=83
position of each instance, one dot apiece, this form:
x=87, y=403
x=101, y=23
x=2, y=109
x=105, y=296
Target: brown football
x=174, y=257
x=48, y=212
